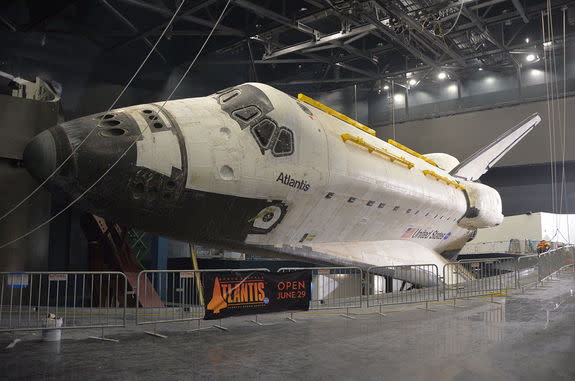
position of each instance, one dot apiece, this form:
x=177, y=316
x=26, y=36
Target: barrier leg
x=255, y=321
x=347, y=315
x=156, y=334
x=290, y=318
x=380, y=313
x=456, y=306
x=220, y=326
x=492, y=301
x=426, y=307
x=103, y=338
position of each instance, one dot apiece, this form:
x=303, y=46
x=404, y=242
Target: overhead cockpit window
x=284, y=143
x=247, y=113
x=263, y=132
x=229, y=95
x=305, y=109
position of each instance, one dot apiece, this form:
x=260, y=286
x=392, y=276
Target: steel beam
x=258, y=62
x=9, y=24
x=397, y=12
x=299, y=26
x=320, y=81
x=183, y=16
x=186, y=16
x=358, y=52
x=130, y=26
x=517, y=4
x=390, y=35
x=479, y=24
x=321, y=40
x=266, y=13
x=531, y=11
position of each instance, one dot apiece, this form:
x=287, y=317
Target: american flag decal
x=408, y=233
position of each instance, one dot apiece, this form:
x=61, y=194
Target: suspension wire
x=564, y=177
x=561, y=118
x=152, y=49
x=132, y=144
x=555, y=102
x=548, y=115
x=562, y=122
x=393, y=107
x=554, y=115
x=552, y=102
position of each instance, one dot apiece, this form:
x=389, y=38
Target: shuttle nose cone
x=40, y=156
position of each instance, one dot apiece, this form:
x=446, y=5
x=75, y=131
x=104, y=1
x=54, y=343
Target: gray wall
x=348, y=101
x=20, y=120
x=462, y=134
x=527, y=188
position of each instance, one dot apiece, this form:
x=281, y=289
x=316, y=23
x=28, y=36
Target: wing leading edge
x=481, y=161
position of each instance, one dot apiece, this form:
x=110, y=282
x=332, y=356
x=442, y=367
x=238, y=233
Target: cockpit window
x=305, y=109
x=229, y=95
x=263, y=132
x=247, y=113
x=284, y=143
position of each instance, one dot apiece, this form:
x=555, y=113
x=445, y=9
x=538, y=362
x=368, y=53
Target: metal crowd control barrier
x=181, y=295
x=80, y=299
x=527, y=270
x=555, y=260
x=334, y=287
x=387, y=284
x=470, y=278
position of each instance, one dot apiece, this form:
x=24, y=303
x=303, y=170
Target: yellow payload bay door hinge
x=382, y=151
x=332, y=112
x=411, y=152
x=447, y=181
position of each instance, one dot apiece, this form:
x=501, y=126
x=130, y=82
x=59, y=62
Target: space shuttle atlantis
x=251, y=168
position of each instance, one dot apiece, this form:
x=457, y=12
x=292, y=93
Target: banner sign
x=258, y=292
x=58, y=277
x=17, y=280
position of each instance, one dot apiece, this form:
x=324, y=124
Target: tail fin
x=481, y=161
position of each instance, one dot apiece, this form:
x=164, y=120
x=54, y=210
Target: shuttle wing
x=480, y=162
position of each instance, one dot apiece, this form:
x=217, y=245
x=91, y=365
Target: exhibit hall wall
x=462, y=134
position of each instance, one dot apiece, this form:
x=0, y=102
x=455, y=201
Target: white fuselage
x=353, y=197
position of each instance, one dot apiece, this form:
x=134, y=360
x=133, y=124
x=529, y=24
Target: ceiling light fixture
x=412, y=82
x=386, y=87
x=527, y=40
x=530, y=58
x=442, y=75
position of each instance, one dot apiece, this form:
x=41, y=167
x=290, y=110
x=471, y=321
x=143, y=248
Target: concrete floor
x=527, y=336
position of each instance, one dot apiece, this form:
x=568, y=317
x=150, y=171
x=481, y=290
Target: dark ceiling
x=309, y=44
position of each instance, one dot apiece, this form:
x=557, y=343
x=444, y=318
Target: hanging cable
x=152, y=49
x=561, y=198
x=456, y=20
x=563, y=175
x=393, y=107
x=132, y=144
x=565, y=119
x=546, y=79
x=555, y=114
